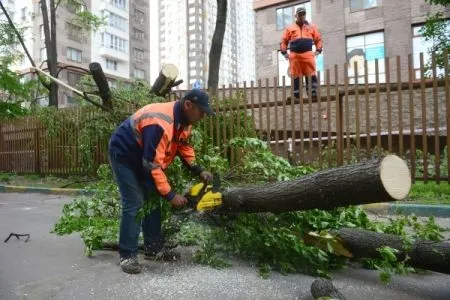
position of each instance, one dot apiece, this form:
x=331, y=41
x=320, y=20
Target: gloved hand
x=206, y=176
x=178, y=201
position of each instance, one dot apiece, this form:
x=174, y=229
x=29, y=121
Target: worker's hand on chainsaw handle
x=206, y=176
x=178, y=201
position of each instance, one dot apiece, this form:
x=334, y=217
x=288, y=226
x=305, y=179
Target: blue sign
x=373, y=53
x=197, y=85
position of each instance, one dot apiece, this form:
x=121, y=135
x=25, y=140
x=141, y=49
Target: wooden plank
x=368, y=110
x=347, y=115
x=423, y=98
x=447, y=96
x=357, y=129
x=224, y=123
x=319, y=119
x=400, y=107
x=275, y=96
x=437, y=153
x=389, y=102
x=377, y=100
x=411, y=117
x=328, y=117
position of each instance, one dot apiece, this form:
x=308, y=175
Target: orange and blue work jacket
x=150, y=139
x=300, y=40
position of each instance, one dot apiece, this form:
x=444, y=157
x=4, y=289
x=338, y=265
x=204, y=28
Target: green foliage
x=438, y=2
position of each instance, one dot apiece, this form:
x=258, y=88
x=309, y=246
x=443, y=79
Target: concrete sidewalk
x=54, y=267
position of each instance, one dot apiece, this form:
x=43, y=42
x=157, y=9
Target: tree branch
x=56, y=6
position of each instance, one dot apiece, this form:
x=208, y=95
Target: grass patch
x=429, y=193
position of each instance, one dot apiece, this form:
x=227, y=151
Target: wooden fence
x=350, y=120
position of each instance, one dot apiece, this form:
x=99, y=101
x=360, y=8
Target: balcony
x=113, y=54
x=106, y=5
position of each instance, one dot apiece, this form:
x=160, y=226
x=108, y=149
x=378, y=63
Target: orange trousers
x=302, y=64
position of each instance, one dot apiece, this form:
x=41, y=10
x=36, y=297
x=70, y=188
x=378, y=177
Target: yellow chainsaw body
x=209, y=200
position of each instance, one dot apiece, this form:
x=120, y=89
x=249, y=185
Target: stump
x=377, y=180
x=165, y=81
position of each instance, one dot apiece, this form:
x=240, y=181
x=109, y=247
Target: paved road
x=52, y=267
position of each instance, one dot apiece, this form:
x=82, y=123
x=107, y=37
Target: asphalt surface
x=54, y=267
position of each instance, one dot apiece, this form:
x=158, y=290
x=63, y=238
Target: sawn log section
x=377, y=180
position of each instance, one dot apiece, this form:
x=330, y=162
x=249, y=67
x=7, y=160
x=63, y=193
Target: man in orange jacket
x=140, y=150
x=300, y=37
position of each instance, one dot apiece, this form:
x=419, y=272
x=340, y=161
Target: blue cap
x=201, y=99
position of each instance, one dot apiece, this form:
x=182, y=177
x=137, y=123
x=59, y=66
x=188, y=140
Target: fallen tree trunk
x=378, y=180
x=424, y=254
x=165, y=81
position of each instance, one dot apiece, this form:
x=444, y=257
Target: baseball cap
x=301, y=10
x=201, y=99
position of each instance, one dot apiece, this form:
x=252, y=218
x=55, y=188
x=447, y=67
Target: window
x=74, y=54
x=286, y=15
x=24, y=14
x=138, y=54
x=111, y=64
x=114, y=42
x=356, y=5
x=41, y=30
x=139, y=16
x=43, y=54
x=74, y=32
x=114, y=20
x=138, y=73
x=366, y=47
x=138, y=34
x=75, y=6
x=122, y=4
x=420, y=45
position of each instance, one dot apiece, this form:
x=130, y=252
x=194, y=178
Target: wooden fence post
x=37, y=153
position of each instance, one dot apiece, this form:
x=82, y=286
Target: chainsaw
x=204, y=197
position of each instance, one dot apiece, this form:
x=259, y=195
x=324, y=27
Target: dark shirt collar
x=179, y=116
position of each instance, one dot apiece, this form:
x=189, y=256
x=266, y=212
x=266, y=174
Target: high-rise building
x=186, y=28
x=121, y=46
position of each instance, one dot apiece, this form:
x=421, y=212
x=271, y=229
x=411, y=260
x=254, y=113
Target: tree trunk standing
x=216, y=46
x=50, y=45
x=428, y=255
x=378, y=180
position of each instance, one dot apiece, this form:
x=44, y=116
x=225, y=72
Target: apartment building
x=121, y=46
x=186, y=28
x=352, y=30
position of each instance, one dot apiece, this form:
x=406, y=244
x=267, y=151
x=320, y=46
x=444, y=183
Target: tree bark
x=424, y=254
x=215, y=52
x=378, y=180
x=50, y=45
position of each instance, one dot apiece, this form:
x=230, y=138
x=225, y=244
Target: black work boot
x=163, y=253
x=130, y=265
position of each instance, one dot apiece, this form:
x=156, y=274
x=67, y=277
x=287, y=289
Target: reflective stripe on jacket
x=300, y=39
x=160, y=149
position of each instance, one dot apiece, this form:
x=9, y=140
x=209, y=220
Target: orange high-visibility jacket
x=300, y=40
x=160, y=153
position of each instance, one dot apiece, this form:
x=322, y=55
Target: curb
x=422, y=210
x=42, y=190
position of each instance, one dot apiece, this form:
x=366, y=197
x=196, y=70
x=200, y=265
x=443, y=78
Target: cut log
x=165, y=80
x=322, y=288
x=424, y=254
x=378, y=180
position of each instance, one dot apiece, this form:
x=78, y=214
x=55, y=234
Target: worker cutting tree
x=300, y=37
x=140, y=150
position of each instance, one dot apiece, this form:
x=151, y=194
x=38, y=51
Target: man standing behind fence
x=300, y=36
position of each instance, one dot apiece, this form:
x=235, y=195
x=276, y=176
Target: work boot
x=165, y=254
x=130, y=265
